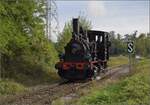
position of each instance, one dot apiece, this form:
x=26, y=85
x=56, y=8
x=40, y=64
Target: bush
x=133, y=90
x=10, y=87
x=25, y=53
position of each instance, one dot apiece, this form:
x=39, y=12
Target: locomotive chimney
x=75, y=23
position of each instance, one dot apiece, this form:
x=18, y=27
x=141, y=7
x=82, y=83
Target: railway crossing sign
x=130, y=46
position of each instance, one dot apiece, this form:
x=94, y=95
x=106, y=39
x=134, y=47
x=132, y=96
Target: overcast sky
x=123, y=17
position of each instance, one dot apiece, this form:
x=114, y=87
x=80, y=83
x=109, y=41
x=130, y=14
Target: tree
x=118, y=46
x=85, y=23
x=66, y=35
x=142, y=45
x=64, y=38
x=118, y=36
x=24, y=48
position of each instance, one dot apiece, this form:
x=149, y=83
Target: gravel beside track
x=45, y=95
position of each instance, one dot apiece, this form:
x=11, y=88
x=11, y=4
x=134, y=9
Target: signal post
x=130, y=49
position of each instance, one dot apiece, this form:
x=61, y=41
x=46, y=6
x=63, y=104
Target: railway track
x=46, y=95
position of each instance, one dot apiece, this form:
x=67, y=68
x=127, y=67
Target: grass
x=116, y=61
x=10, y=87
x=46, y=77
x=23, y=83
x=134, y=90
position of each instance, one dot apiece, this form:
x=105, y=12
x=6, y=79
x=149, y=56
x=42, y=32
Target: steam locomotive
x=86, y=54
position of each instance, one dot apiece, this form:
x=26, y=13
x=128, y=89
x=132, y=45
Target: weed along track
x=46, y=95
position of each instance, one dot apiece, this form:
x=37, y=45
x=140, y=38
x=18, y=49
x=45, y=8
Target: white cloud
x=123, y=25
x=96, y=8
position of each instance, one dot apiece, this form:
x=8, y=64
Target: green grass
x=24, y=82
x=116, y=61
x=46, y=77
x=10, y=87
x=134, y=90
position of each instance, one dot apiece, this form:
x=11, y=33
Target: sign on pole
x=130, y=45
x=130, y=48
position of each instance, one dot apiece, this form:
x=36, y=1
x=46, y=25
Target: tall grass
x=134, y=90
x=10, y=87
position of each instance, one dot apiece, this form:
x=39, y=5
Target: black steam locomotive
x=85, y=55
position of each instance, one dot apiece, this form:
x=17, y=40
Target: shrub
x=10, y=87
x=133, y=90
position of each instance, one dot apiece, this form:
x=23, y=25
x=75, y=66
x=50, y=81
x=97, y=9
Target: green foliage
x=119, y=45
x=85, y=23
x=143, y=45
x=64, y=38
x=66, y=35
x=133, y=90
x=24, y=49
x=10, y=87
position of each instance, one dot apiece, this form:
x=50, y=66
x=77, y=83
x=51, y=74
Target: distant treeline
x=141, y=44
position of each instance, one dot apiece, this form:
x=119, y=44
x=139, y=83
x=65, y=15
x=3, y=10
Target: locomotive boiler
x=86, y=54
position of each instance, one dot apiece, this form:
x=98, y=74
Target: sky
x=124, y=16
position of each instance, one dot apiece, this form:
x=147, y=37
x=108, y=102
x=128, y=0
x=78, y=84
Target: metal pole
x=134, y=51
x=50, y=19
x=47, y=19
x=130, y=63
